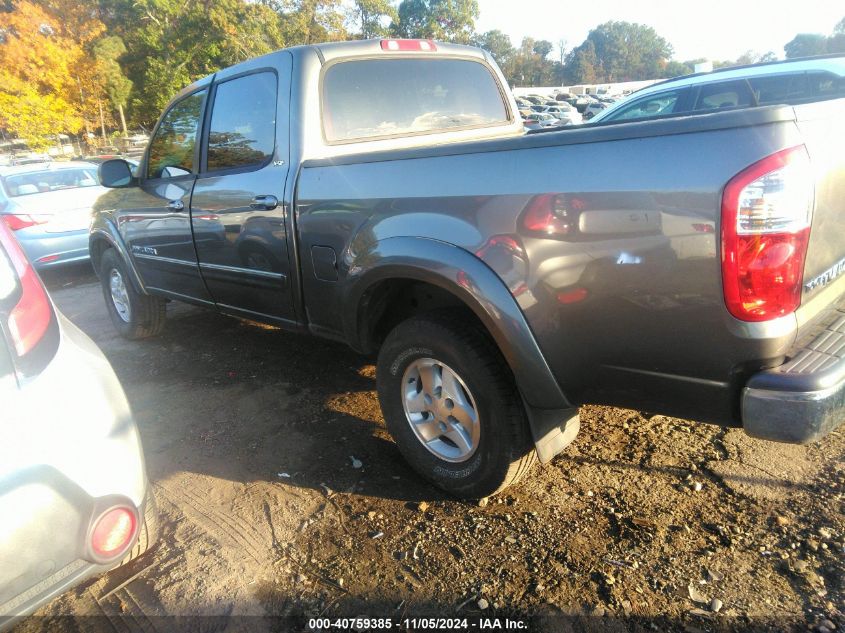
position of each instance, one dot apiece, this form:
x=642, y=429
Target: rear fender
x=481, y=290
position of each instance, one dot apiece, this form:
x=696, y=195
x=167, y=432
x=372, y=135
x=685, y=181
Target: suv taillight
x=30, y=317
x=766, y=211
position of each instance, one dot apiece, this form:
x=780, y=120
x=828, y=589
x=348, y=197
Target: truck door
x=238, y=212
x=154, y=218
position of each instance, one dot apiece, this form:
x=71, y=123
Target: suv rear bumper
x=804, y=399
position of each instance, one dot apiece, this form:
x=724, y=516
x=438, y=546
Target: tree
x=372, y=15
x=530, y=66
x=543, y=48
x=311, y=21
x=498, y=44
x=751, y=57
x=107, y=51
x=582, y=64
x=175, y=42
x=445, y=20
x=805, y=44
x=676, y=69
x=44, y=72
x=623, y=51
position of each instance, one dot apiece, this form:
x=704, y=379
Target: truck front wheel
x=452, y=407
x=133, y=314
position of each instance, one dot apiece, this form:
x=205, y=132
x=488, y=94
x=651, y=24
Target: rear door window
x=377, y=98
x=775, y=89
x=826, y=85
x=172, y=147
x=243, y=130
x=728, y=94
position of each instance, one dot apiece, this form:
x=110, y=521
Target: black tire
x=504, y=452
x=148, y=532
x=146, y=314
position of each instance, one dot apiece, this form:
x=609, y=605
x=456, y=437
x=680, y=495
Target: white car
x=565, y=113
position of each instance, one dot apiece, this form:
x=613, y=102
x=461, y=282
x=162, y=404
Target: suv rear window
x=373, y=98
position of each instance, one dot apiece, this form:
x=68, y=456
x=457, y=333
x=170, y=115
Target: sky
x=713, y=29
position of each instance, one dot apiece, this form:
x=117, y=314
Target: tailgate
x=822, y=125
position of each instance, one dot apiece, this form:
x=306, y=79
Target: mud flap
x=552, y=430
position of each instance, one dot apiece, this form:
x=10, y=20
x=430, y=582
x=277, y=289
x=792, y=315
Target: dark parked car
x=690, y=266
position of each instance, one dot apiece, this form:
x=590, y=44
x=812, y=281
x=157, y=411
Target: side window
x=826, y=85
x=172, y=147
x=243, y=130
x=776, y=89
x=650, y=106
x=728, y=94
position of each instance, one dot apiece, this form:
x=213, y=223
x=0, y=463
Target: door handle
x=264, y=203
x=176, y=205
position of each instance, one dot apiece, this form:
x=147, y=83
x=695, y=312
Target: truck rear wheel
x=452, y=407
x=133, y=314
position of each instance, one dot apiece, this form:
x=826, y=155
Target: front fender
x=475, y=284
x=104, y=230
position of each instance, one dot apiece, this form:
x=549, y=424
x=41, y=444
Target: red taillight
x=765, y=230
x=113, y=532
x=575, y=295
x=20, y=221
x=547, y=214
x=408, y=45
x=30, y=318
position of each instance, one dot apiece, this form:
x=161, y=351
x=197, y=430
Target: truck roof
x=328, y=51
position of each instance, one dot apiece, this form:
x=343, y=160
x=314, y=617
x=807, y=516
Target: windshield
x=54, y=180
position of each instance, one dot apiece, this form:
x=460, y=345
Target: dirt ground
x=251, y=438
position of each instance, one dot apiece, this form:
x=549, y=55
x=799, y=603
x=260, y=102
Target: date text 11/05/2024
x=430, y=624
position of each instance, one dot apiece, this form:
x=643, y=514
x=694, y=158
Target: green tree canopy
x=498, y=44
x=624, y=51
x=372, y=14
x=805, y=44
x=445, y=20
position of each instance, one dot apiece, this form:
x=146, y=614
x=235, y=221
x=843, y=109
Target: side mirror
x=115, y=173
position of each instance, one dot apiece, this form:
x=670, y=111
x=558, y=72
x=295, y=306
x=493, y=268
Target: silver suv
x=772, y=83
x=74, y=495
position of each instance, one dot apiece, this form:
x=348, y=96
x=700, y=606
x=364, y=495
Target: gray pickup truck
x=384, y=194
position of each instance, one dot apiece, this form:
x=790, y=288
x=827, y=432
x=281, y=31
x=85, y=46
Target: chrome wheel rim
x=119, y=296
x=441, y=410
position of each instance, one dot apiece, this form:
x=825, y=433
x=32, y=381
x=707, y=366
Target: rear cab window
x=367, y=99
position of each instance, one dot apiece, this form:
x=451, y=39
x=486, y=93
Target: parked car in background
x=547, y=120
x=593, y=109
x=793, y=81
x=48, y=207
x=74, y=494
x=563, y=112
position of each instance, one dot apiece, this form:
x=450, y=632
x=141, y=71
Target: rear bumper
x=47, y=250
x=804, y=399
x=80, y=569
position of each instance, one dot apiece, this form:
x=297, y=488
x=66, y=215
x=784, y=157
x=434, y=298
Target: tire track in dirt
x=227, y=530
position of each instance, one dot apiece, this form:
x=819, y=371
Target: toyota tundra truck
x=384, y=193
